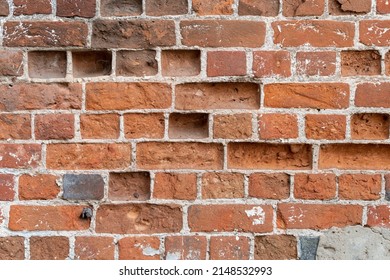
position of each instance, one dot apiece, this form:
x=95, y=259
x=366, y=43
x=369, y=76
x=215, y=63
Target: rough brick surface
x=139, y=248
x=360, y=186
x=27, y=7
x=49, y=64
x=52, y=126
x=11, y=248
x=325, y=127
x=49, y=248
x=129, y=186
x=271, y=63
x=11, y=63
x=276, y=247
x=175, y=186
x=15, y=126
x=370, y=126
x=7, y=192
x=360, y=63
x=229, y=248
x=265, y=8
x=316, y=63
x=76, y=8
x=233, y=126
x=185, y=248
x=136, y=63
x=120, y=7
x=222, y=185
x=94, y=248
x=293, y=8
x=38, y=187
x=275, y=126
x=315, y=186
x=269, y=186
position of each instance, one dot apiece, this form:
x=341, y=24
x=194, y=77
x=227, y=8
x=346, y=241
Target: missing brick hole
x=86, y=213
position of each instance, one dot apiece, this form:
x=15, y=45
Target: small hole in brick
x=86, y=213
x=180, y=62
x=47, y=64
x=129, y=186
x=194, y=125
x=91, y=64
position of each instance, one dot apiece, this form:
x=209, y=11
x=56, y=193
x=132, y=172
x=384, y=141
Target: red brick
x=45, y=34
x=49, y=248
x=295, y=8
x=387, y=63
x=16, y=97
x=120, y=8
x=94, y=248
x=140, y=218
x=360, y=186
x=373, y=95
x=28, y=7
x=318, y=216
x=20, y=155
x=166, y=7
x=47, y=64
x=15, y=126
x=48, y=218
x=185, y=248
x=233, y=126
x=136, y=63
x=54, y=126
x=268, y=156
x=315, y=186
x=222, y=33
x=230, y=217
x=217, y=96
x=345, y=7
x=370, y=126
x=12, y=248
x=188, y=126
x=222, y=185
x=144, y=125
x=175, y=186
x=266, y=8
x=88, y=156
x=11, y=63
x=91, y=63
x=365, y=63
x=229, y=248
x=269, y=186
x=316, y=33
x=383, y=7
x=139, y=248
x=216, y=7
x=276, y=126
x=276, y=247
x=271, y=63
x=226, y=63
x=104, y=126
x=76, y=8
x=378, y=216
x=355, y=156
x=7, y=192
x=374, y=32
x=307, y=95
x=39, y=186
x=330, y=127
x=179, y=63
x=172, y=155
x=129, y=186
x=124, y=96
x=316, y=63
x=4, y=8
x=134, y=34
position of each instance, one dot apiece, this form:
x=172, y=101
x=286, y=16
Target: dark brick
x=47, y=64
x=120, y=8
x=91, y=63
x=83, y=186
x=11, y=248
x=11, y=63
x=79, y=8
x=4, y=8
x=308, y=247
x=136, y=63
x=166, y=7
x=49, y=248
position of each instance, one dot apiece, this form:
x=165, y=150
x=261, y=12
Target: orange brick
x=269, y=186
x=370, y=126
x=373, y=95
x=315, y=186
x=222, y=185
x=144, y=125
x=276, y=247
x=216, y=7
x=94, y=248
x=329, y=127
x=104, y=126
x=229, y=248
x=54, y=126
x=39, y=186
x=15, y=126
x=139, y=248
x=360, y=186
x=185, y=248
x=175, y=186
x=316, y=63
x=378, y=216
x=271, y=63
x=233, y=126
x=7, y=192
x=226, y=63
x=275, y=126
x=374, y=32
x=49, y=248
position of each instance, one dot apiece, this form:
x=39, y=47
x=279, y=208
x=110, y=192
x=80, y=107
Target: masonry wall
x=175, y=129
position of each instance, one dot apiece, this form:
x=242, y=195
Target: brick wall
x=175, y=129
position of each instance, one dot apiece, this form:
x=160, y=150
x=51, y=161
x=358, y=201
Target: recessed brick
x=54, y=126
x=185, y=248
x=166, y=7
x=28, y=7
x=76, y=8
x=275, y=126
x=129, y=186
x=329, y=127
x=15, y=126
x=47, y=64
x=314, y=186
x=295, y=8
x=139, y=125
x=360, y=186
x=139, y=248
x=344, y=7
x=49, y=248
x=94, y=248
x=226, y=63
x=316, y=63
x=91, y=64
x=271, y=63
x=83, y=187
x=222, y=185
x=233, y=126
x=276, y=247
x=12, y=248
x=191, y=126
x=180, y=62
x=11, y=62
x=175, y=186
x=7, y=192
x=229, y=248
x=102, y=126
x=4, y=8
x=266, y=8
x=39, y=186
x=216, y=7
x=370, y=126
x=364, y=63
x=120, y=8
x=269, y=186
x=136, y=63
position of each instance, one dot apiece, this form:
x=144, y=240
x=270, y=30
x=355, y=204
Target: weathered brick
x=49, y=248
x=179, y=63
x=315, y=186
x=47, y=64
x=217, y=96
x=124, y=96
x=28, y=7
x=216, y=7
x=102, y=126
x=370, y=126
x=276, y=126
x=129, y=186
x=269, y=156
x=39, y=186
x=276, y=247
x=91, y=63
x=140, y=125
x=269, y=186
x=222, y=33
x=45, y=34
x=4, y=8
x=316, y=63
x=378, y=216
x=222, y=185
x=233, y=126
x=360, y=186
x=136, y=63
x=316, y=33
x=135, y=34
x=295, y=8
x=374, y=32
x=185, y=248
x=307, y=95
x=347, y=7
x=20, y=155
x=88, y=156
x=330, y=127
x=266, y=8
x=7, y=192
x=12, y=248
x=365, y=63
x=188, y=126
x=355, y=156
x=94, y=248
x=82, y=187
x=226, y=63
x=15, y=126
x=227, y=217
x=11, y=63
x=229, y=248
x=15, y=97
x=387, y=63
x=48, y=218
x=76, y=8
x=139, y=248
x=166, y=7
x=373, y=95
x=271, y=63
x=383, y=7
x=120, y=7
x=172, y=155
x=54, y=126
x=317, y=216
x=175, y=186
x=138, y=218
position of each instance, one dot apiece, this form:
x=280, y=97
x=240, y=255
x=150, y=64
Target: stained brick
x=83, y=187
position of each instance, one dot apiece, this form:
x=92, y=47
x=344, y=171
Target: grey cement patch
x=308, y=247
x=354, y=243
